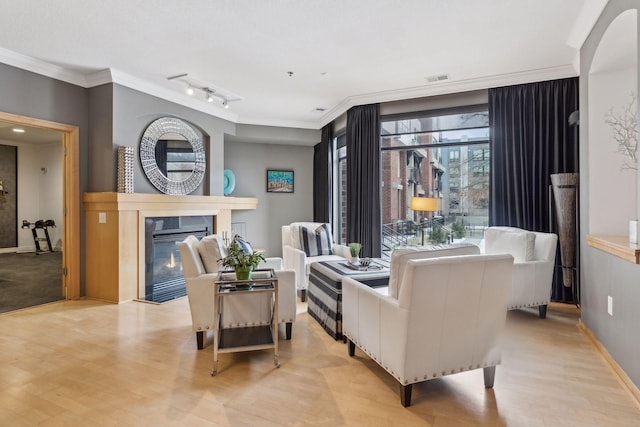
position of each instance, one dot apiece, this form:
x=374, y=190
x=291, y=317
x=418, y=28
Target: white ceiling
x=341, y=52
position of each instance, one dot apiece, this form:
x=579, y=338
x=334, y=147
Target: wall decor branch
x=624, y=126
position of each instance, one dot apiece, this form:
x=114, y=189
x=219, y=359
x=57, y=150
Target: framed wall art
x=279, y=181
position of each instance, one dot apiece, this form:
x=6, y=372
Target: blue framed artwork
x=279, y=181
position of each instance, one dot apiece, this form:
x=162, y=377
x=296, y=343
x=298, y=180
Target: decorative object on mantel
x=229, y=182
x=2, y=192
x=125, y=169
x=241, y=261
x=172, y=156
x=624, y=126
x=565, y=190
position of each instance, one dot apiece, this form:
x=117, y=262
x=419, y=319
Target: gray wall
x=249, y=163
x=120, y=116
x=602, y=274
x=32, y=95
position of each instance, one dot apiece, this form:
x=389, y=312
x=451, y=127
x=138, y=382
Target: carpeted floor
x=28, y=279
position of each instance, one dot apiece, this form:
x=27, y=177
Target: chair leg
x=200, y=339
x=288, y=326
x=303, y=295
x=489, y=376
x=351, y=348
x=405, y=395
x=542, y=311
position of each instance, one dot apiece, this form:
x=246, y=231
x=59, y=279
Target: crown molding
x=115, y=76
x=41, y=67
x=448, y=87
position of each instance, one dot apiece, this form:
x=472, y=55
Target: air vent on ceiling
x=438, y=78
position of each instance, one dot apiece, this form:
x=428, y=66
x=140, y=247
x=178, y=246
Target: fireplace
x=164, y=279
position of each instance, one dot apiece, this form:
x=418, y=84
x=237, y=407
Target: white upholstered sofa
x=442, y=316
x=295, y=258
x=200, y=267
x=534, y=256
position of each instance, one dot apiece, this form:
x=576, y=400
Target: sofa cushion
x=316, y=241
x=510, y=240
x=399, y=258
x=211, y=249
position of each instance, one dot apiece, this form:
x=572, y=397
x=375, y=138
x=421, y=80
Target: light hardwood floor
x=86, y=363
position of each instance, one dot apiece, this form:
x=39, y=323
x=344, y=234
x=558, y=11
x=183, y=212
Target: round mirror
x=172, y=156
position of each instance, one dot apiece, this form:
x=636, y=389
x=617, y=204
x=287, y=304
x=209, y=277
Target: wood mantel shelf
x=616, y=245
x=115, y=235
x=141, y=201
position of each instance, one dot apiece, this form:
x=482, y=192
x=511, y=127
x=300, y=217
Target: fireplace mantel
x=114, y=224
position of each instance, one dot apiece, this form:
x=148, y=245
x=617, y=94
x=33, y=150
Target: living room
x=111, y=112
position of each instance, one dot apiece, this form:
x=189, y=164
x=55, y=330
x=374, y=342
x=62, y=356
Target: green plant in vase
x=242, y=262
x=354, y=248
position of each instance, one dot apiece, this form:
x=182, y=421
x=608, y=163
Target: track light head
x=189, y=90
x=225, y=104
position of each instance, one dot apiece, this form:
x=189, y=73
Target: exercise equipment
x=40, y=225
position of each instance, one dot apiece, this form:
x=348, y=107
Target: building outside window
x=444, y=157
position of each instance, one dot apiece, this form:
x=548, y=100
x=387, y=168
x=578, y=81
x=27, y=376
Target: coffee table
x=325, y=289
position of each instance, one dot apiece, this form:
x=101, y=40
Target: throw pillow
x=211, y=249
x=316, y=241
x=514, y=241
x=246, y=246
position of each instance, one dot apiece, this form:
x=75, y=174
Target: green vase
x=243, y=273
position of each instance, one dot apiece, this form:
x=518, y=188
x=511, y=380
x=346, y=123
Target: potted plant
x=354, y=248
x=242, y=262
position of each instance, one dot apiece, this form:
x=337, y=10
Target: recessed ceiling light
x=18, y=130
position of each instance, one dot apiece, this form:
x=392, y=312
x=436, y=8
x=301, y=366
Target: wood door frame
x=71, y=197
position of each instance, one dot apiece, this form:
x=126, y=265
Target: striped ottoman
x=325, y=289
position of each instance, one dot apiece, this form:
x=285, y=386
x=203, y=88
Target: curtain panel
x=364, y=223
x=322, y=173
x=531, y=139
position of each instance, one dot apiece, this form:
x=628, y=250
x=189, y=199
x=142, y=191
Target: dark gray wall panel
x=9, y=201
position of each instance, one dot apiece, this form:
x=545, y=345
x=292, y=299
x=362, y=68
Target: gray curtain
x=531, y=138
x=364, y=224
x=322, y=196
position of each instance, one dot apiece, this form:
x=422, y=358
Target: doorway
x=63, y=230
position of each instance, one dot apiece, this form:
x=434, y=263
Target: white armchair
x=295, y=258
x=200, y=267
x=534, y=256
x=447, y=318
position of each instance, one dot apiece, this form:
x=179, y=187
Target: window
x=444, y=157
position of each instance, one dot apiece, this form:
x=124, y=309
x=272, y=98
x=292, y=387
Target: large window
x=445, y=157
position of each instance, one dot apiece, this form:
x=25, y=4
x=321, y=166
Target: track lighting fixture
x=210, y=94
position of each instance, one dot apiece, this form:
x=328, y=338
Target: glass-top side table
x=248, y=338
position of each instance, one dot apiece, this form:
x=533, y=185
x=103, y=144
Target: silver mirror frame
x=150, y=138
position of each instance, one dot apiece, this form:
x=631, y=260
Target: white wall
x=612, y=190
x=40, y=195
